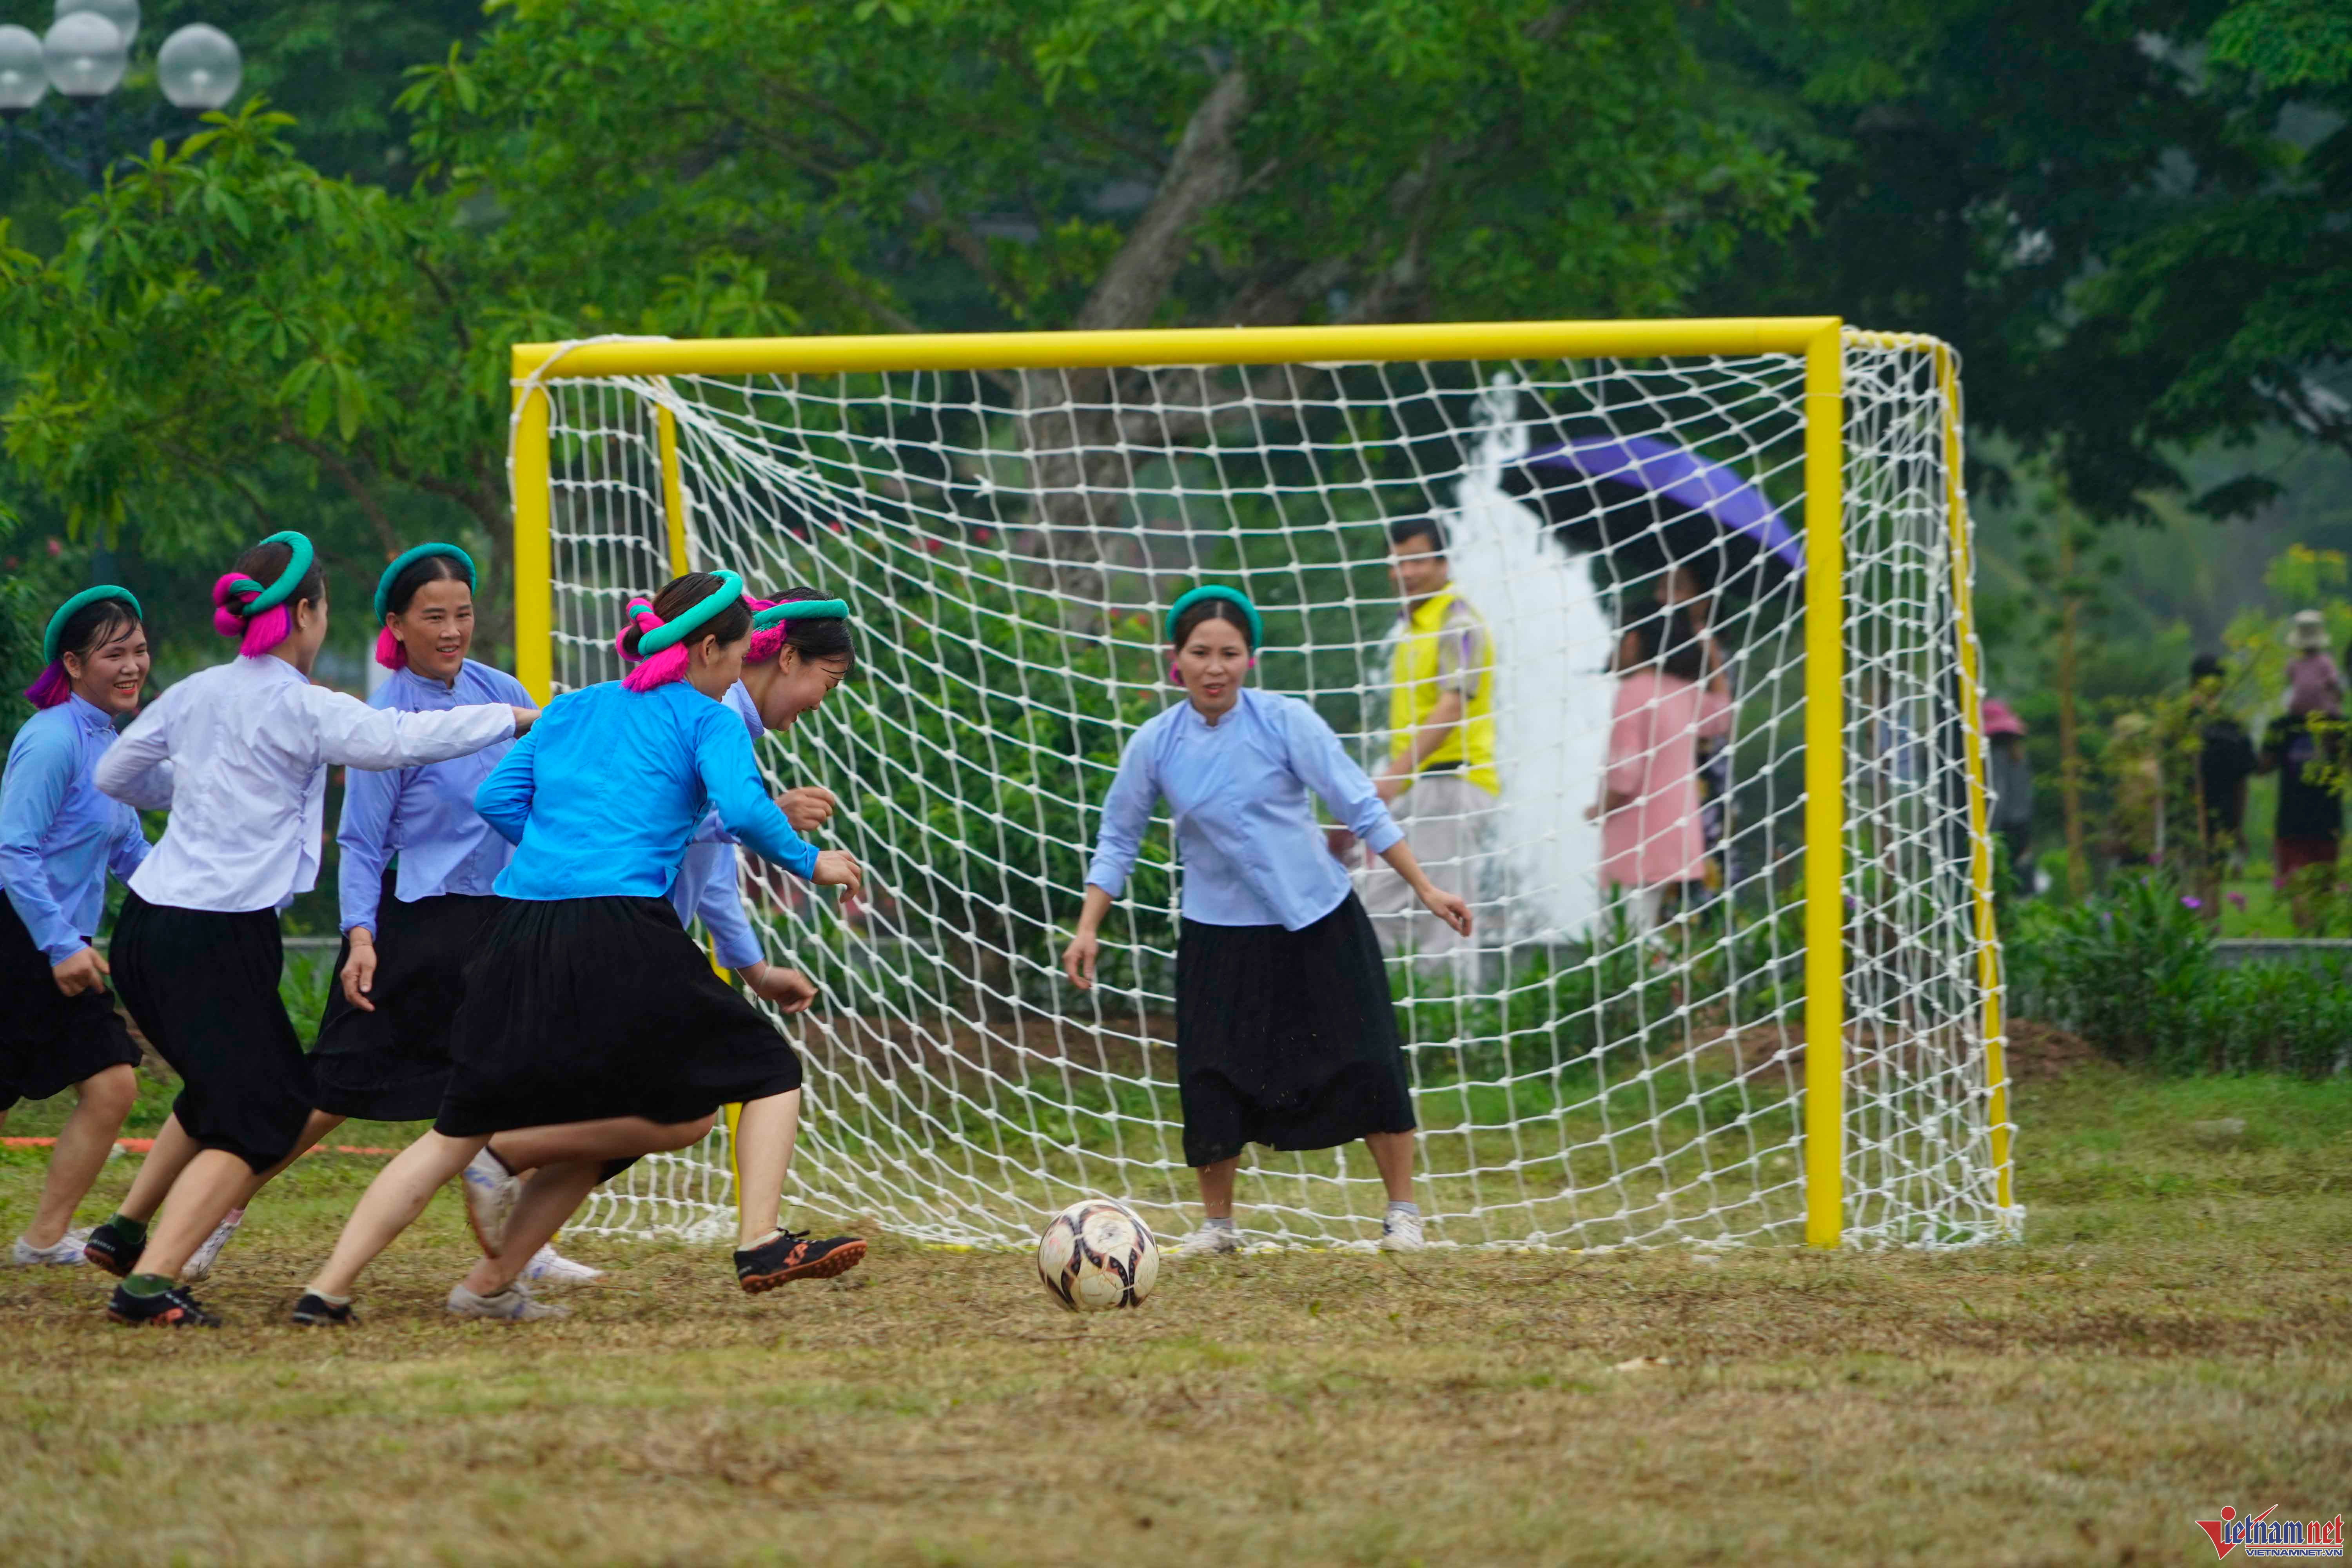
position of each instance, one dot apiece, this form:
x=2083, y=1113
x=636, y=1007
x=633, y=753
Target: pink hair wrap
x=661, y=668
x=258, y=635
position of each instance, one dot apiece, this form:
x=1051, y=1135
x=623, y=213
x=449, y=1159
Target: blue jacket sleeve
x=365, y=837
x=40, y=771
x=731, y=778
x=1126, y=817
x=128, y=848
x=1324, y=765
x=504, y=798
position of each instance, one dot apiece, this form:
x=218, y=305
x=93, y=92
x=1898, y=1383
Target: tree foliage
x=228, y=331
x=2126, y=213
x=945, y=164
x=226, y=334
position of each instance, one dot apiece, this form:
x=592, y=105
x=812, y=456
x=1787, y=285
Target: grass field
x=2174, y=1333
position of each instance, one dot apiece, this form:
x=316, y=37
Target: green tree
x=2238, y=310
x=945, y=164
x=227, y=331
x=2126, y=214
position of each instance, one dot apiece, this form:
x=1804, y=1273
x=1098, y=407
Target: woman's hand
x=1451, y=908
x=85, y=971
x=789, y=989
x=807, y=807
x=524, y=718
x=838, y=868
x=359, y=969
x=1078, y=960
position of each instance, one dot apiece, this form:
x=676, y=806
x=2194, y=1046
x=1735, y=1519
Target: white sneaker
x=1400, y=1233
x=1209, y=1240
x=63, y=1253
x=512, y=1305
x=549, y=1267
x=201, y=1265
x=490, y=1192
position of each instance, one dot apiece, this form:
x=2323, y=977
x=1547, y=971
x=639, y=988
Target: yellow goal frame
x=1820, y=339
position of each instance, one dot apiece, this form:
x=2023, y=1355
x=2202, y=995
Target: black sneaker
x=173, y=1308
x=792, y=1256
x=315, y=1311
x=111, y=1248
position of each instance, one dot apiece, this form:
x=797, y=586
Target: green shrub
x=2134, y=973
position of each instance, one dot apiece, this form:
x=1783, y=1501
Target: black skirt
x=49, y=1040
x=204, y=987
x=578, y=1009
x=1287, y=1038
x=393, y=1064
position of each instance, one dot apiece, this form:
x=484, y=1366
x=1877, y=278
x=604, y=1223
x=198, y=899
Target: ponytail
x=655, y=637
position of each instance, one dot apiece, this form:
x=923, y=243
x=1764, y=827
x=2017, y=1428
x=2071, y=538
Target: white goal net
x=1617, y=1057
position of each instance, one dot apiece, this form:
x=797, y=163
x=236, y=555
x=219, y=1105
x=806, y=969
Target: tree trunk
x=1069, y=424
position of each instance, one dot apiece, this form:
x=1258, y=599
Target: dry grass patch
x=2171, y=1336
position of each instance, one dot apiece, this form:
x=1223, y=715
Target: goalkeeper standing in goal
x=588, y=1003
x=1284, y=1032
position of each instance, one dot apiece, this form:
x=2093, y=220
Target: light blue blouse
x=58, y=836
x=707, y=884
x=424, y=816
x=1245, y=832
x=602, y=795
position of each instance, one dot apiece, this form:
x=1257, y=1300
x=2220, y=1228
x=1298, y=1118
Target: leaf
x=318, y=405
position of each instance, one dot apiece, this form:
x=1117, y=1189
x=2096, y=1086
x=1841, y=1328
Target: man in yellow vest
x=1439, y=780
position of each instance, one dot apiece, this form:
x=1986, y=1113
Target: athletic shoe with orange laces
x=172, y=1309
x=790, y=1255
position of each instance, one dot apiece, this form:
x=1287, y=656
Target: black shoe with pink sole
x=792, y=1256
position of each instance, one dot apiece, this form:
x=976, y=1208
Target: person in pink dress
x=1671, y=693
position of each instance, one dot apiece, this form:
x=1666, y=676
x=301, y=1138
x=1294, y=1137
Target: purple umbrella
x=1649, y=504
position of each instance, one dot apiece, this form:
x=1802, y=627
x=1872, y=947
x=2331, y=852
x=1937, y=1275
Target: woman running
x=196, y=949
x=589, y=1004
x=59, y=835
x=1284, y=1033
x=706, y=889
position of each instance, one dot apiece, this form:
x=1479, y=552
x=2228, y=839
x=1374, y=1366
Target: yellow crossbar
x=1185, y=345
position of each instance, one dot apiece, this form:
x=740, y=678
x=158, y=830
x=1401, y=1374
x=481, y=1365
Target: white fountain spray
x=1552, y=641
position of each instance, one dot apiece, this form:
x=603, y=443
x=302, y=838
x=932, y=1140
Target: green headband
x=297, y=566
x=50, y=652
x=410, y=558
x=800, y=610
x=1217, y=590
x=669, y=633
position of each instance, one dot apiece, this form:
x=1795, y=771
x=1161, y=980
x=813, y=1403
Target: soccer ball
x=1098, y=1255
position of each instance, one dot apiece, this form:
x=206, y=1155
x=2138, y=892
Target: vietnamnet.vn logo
x=2263, y=1536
